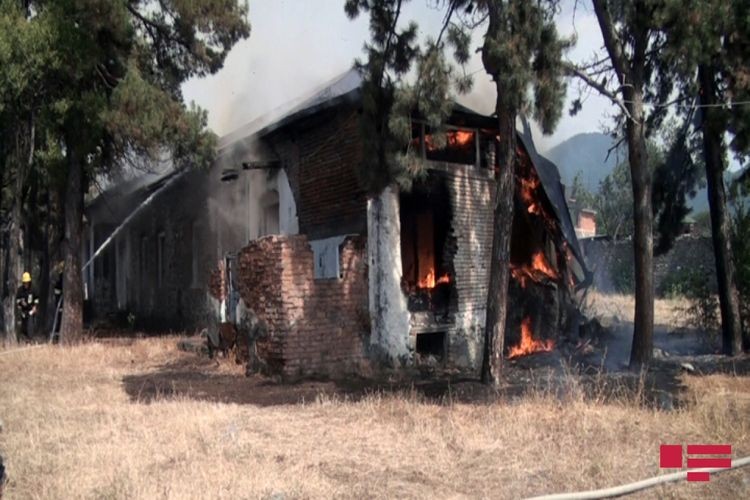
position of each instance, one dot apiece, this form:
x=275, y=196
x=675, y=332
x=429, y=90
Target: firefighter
x=26, y=307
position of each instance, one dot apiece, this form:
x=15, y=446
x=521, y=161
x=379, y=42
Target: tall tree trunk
x=12, y=273
x=44, y=270
x=630, y=69
x=12, y=269
x=643, y=239
x=731, y=327
x=72, y=319
x=497, y=293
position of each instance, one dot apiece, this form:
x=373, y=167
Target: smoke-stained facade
x=280, y=240
x=158, y=268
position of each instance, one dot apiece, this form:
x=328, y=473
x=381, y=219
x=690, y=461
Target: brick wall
x=586, y=224
x=217, y=282
x=312, y=327
x=320, y=156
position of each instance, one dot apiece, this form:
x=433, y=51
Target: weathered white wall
x=389, y=315
x=288, y=223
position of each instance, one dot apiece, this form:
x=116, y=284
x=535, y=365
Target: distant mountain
x=587, y=153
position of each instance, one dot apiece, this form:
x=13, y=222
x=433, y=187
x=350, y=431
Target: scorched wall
x=470, y=190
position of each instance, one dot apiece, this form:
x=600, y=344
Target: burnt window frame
x=423, y=148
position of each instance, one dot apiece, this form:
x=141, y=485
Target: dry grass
x=73, y=429
x=667, y=312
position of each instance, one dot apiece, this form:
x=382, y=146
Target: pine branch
x=161, y=29
x=573, y=70
x=446, y=21
x=611, y=42
x=388, y=41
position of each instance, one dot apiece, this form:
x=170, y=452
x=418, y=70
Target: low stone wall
x=308, y=327
x=612, y=263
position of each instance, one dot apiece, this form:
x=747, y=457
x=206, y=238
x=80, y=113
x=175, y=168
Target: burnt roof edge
x=549, y=175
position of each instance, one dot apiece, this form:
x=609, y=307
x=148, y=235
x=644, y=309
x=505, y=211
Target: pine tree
x=521, y=50
x=111, y=89
x=710, y=39
x=632, y=75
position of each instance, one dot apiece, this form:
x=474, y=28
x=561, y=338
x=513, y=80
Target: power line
x=694, y=106
x=669, y=104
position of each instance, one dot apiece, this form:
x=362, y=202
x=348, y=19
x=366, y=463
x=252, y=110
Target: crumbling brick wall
x=217, y=282
x=312, y=327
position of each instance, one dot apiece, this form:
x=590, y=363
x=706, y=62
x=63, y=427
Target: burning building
x=325, y=279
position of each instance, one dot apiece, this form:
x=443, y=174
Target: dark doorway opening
x=431, y=344
x=426, y=248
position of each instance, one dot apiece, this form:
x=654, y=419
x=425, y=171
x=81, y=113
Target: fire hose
x=643, y=484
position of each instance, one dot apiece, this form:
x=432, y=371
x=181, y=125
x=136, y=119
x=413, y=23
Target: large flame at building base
x=528, y=344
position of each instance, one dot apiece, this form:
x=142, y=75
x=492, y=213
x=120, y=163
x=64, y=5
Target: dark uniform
x=26, y=304
x=58, y=290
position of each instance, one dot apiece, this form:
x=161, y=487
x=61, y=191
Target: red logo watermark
x=670, y=457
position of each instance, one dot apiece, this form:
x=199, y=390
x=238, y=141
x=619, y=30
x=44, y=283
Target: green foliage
x=686, y=282
x=104, y=76
x=714, y=33
x=523, y=50
x=389, y=102
x=623, y=276
x=88, y=84
x=390, y=54
x=679, y=172
x=702, y=311
x=578, y=192
x=614, y=203
x=741, y=248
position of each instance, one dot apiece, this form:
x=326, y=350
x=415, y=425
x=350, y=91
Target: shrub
x=741, y=249
x=623, y=276
x=695, y=285
x=686, y=282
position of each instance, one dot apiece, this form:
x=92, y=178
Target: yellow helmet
x=26, y=278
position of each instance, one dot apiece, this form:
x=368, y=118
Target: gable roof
x=346, y=87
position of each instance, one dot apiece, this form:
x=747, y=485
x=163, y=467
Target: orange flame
x=520, y=274
x=429, y=281
x=529, y=196
x=528, y=345
x=454, y=138
x=460, y=137
x=538, y=270
x=539, y=263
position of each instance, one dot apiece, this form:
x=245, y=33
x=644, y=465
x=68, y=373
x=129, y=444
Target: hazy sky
x=296, y=45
